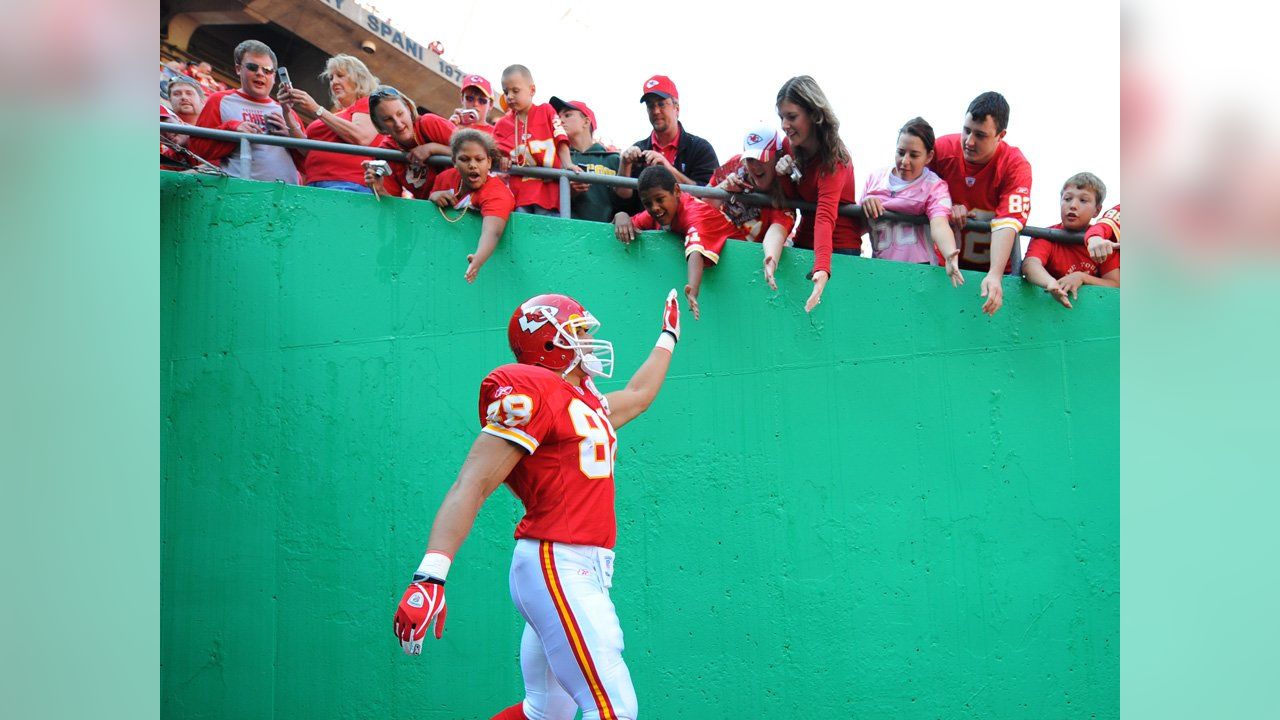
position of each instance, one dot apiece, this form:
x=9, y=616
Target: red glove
x=671, y=316
x=423, y=602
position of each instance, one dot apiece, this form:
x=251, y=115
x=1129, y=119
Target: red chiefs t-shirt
x=704, y=227
x=566, y=480
x=319, y=165
x=430, y=128
x=999, y=192
x=535, y=140
x=1062, y=259
x=493, y=199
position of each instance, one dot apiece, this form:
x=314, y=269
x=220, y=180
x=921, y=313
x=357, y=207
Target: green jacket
x=597, y=203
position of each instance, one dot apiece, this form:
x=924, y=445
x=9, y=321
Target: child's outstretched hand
x=623, y=228
x=473, y=269
x=692, y=297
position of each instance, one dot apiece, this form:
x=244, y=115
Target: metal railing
x=247, y=140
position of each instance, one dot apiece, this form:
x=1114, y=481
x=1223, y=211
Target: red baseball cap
x=562, y=105
x=476, y=81
x=661, y=86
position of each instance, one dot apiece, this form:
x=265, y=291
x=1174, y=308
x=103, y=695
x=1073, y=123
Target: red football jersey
x=535, y=140
x=493, y=199
x=1108, y=226
x=1062, y=259
x=566, y=480
x=704, y=227
x=430, y=128
x=999, y=192
x=824, y=230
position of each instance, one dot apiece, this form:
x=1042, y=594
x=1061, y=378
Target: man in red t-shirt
x=249, y=109
x=989, y=180
x=551, y=437
x=531, y=135
x=1061, y=268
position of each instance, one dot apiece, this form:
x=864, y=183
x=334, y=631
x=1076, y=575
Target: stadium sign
x=392, y=36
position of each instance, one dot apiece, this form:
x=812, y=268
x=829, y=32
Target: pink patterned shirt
x=926, y=195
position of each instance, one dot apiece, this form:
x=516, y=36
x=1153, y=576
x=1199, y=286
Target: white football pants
x=571, y=651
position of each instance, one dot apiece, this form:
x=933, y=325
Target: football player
x=989, y=180
x=549, y=434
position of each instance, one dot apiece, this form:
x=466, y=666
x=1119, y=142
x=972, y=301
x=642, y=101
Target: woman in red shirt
x=350, y=84
x=469, y=185
x=826, y=177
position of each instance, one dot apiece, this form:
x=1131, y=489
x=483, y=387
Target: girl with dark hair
x=909, y=187
x=471, y=184
x=825, y=177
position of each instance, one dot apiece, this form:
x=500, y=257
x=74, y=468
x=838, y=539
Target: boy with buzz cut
x=704, y=227
x=1061, y=268
x=531, y=135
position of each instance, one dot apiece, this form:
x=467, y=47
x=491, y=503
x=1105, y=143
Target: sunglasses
x=386, y=92
x=255, y=67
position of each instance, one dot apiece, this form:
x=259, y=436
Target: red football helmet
x=554, y=331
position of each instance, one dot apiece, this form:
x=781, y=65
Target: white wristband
x=435, y=565
x=667, y=342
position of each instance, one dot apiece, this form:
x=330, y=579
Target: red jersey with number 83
x=566, y=480
x=998, y=192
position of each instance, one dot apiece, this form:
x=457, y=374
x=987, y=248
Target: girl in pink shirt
x=911, y=188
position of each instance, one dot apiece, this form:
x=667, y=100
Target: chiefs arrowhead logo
x=539, y=317
x=754, y=138
x=473, y=78
x=650, y=84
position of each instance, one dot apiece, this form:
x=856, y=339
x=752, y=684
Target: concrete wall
x=894, y=507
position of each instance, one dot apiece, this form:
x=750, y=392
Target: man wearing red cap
x=477, y=101
x=690, y=158
x=589, y=201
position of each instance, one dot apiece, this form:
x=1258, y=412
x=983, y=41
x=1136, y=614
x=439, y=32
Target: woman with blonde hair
x=346, y=121
x=825, y=170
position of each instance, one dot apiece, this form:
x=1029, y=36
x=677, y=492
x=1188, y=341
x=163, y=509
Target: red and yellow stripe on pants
x=574, y=632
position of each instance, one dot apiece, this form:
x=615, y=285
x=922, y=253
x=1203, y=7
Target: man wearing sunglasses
x=248, y=109
x=477, y=101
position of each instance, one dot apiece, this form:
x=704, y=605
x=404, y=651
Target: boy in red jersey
x=989, y=180
x=531, y=135
x=703, y=226
x=1061, y=268
x=550, y=435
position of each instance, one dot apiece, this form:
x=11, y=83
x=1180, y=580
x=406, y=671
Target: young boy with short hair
x=666, y=208
x=531, y=135
x=1062, y=268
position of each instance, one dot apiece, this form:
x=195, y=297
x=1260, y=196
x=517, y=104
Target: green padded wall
x=895, y=507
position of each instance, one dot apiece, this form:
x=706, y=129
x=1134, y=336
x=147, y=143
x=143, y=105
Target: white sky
x=880, y=65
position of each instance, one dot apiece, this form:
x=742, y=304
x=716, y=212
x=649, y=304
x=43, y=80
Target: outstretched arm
x=423, y=604
x=627, y=404
x=487, y=465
